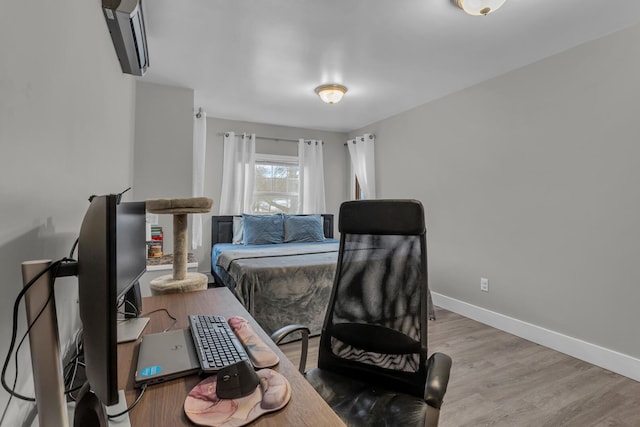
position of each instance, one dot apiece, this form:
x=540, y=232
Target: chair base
x=168, y=285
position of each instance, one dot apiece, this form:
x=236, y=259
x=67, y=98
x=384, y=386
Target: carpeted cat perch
x=181, y=280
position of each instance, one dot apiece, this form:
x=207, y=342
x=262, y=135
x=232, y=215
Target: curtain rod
x=268, y=138
x=371, y=136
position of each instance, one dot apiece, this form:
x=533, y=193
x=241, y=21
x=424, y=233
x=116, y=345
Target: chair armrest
x=285, y=331
x=438, y=369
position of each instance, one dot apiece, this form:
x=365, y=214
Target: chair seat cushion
x=361, y=404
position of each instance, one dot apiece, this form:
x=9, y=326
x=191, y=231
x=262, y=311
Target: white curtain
x=238, y=173
x=199, y=150
x=311, y=191
x=362, y=153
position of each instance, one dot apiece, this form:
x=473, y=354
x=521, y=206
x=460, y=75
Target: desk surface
x=162, y=404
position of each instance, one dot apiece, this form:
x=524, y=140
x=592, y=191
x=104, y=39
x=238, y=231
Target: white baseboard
x=605, y=358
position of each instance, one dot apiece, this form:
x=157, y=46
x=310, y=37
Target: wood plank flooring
x=498, y=379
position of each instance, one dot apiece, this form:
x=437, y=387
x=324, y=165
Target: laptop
x=165, y=356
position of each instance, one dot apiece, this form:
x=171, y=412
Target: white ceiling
x=260, y=60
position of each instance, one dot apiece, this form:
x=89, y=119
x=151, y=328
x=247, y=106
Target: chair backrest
x=375, y=328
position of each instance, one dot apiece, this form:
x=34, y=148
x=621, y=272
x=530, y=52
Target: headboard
x=222, y=228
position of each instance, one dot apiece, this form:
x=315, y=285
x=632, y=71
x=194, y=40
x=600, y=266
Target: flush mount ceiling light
x=331, y=94
x=479, y=7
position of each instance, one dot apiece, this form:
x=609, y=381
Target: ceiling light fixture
x=331, y=94
x=479, y=7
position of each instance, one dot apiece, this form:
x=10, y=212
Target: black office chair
x=372, y=363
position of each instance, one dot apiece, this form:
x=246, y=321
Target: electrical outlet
x=484, y=284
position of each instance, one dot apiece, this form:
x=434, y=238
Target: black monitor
x=111, y=259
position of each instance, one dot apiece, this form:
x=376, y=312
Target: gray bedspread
x=283, y=284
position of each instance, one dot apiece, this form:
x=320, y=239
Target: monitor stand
x=45, y=345
x=121, y=406
x=131, y=329
x=88, y=411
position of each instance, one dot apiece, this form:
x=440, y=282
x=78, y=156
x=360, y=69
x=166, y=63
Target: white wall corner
x=603, y=357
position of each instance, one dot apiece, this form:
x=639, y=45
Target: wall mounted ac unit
x=126, y=25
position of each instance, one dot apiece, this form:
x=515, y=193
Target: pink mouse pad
x=203, y=407
x=260, y=353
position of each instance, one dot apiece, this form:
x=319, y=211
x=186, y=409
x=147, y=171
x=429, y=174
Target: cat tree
x=180, y=280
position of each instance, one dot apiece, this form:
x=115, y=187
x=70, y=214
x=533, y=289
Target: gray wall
x=66, y=132
x=531, y=180
x=164, y=147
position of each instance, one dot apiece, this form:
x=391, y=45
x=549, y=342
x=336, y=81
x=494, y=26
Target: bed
x=278, y=283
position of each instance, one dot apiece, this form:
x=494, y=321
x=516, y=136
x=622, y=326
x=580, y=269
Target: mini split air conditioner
x=126, y=25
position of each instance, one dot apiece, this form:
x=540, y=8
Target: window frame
x=274, y=159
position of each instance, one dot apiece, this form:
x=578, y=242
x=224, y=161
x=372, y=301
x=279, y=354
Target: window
x=276, y=184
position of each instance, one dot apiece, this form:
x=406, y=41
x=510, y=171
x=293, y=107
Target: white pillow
x=238, y=230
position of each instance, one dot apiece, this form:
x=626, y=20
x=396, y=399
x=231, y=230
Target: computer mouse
x=237, y=380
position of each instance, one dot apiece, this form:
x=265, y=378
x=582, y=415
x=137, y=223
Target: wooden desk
x=162, y=404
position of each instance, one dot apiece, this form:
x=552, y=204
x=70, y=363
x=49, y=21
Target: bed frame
x=222, y=228
x=222, y=232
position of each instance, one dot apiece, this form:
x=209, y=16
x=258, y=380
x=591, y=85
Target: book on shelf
x=156, y=244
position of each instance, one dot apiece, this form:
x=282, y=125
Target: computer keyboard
x=216, y=344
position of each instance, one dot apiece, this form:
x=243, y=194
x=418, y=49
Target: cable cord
x=73, y=248
x=54, y=266
x=143, y=388
x=174, y=320
x=135, y=309
x=14, y=334
x=126, y=301
x=71, y=368
x=127, y=314
x=14, y=331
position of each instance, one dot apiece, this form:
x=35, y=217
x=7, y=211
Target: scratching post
x=180, y=280
x=180, y=246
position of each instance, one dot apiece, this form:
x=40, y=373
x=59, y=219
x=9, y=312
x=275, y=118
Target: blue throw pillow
x=262, y=229
x=303, y=228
